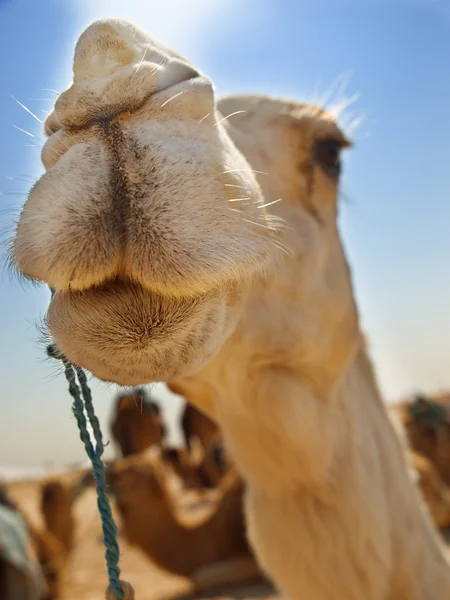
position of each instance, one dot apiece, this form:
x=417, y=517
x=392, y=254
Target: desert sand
x=86, y=574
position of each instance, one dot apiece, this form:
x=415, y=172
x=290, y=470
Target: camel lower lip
x=125, y=334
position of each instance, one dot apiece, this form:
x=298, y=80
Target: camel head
x=138, y=423
x=149, y=222
x=427, y=424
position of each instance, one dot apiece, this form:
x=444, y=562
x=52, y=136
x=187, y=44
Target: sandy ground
x=86, y=573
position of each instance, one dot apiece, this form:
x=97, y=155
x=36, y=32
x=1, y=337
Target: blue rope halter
x=82, y=403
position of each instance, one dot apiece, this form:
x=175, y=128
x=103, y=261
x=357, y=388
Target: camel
x=150, y=521
x=33, y=568
x=435, y=491
x=188, y=468
x=216, y=462
x=158, y=225
x=195, y=467
x=427, y=424
x=196, y=425
x=137, y=423
x=57, y=501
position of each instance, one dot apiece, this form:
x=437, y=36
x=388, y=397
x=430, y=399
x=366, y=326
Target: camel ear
x=153, y=453
x=197, y=453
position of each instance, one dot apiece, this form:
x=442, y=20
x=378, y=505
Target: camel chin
x=125, y=334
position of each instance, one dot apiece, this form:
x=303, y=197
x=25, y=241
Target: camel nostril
x=116, y=68
x=52, y=124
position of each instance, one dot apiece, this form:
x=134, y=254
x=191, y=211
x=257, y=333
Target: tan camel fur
x=137, y=423
x=172, y=262
x=149, y=518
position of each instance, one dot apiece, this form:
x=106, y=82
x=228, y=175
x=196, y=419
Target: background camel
x=137, y=423
x=427, y=424
x=189, y=465
x=172, y=262
x=196, y=426
x=57, y=505
x=195, y=423
x=37, y=569
x=150, y=520
x=435, y=491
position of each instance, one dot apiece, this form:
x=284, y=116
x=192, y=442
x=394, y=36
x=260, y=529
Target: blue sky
x=395, y=213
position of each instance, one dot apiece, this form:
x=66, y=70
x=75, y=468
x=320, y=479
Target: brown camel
x=195, y=424
x=40, y=572
x=150, y=521
x=184, y=465
x=196, y=468
x=435, y=491
x=216, y=462
x=426, y=420
x=137, y=423
x=196, y=241
x=57, y=501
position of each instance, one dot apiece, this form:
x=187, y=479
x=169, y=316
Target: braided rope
x=82, y=401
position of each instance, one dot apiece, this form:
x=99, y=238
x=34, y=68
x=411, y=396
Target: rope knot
x=128, y=592
x=54, y=352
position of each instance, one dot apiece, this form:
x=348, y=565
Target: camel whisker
x=158, y=66
x=263, y=225
x=237, y=112
x=50, y=90
x=59, y=138
x=270, y=203
x=242, y=170
x=27, y=109
x=24, y=131
x=172, y=98
x=140, y=63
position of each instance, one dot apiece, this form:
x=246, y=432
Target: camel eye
x=327, y=153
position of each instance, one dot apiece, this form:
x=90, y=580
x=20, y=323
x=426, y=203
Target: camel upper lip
x=112, y=111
